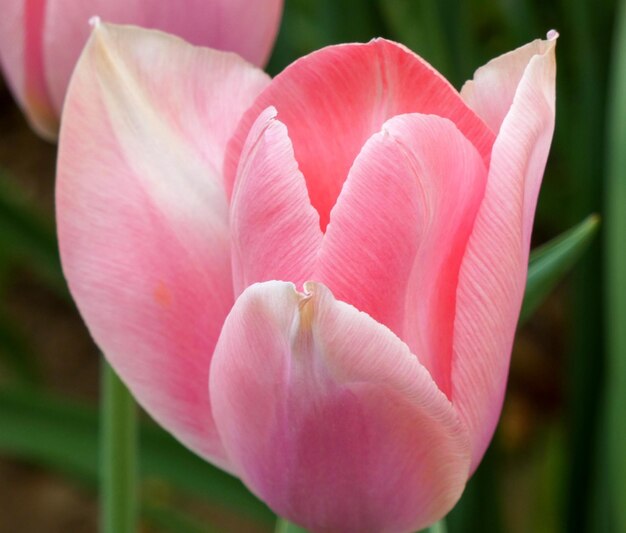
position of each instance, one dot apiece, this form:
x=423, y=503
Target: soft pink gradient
x=332, y=101
x=329, y=417
x=493, y=273
x=41, y=40
x=137, y=176
x=313, y=281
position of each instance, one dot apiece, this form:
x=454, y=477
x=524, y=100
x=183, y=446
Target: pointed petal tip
x=552, y=35
x=95, y=22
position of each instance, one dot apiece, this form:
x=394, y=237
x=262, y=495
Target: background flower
x=41, y=40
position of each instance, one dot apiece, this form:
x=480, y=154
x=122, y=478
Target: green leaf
x=550, y=262
x=64, y=435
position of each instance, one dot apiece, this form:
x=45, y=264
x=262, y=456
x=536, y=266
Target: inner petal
x=335, y=99
x=396, y=237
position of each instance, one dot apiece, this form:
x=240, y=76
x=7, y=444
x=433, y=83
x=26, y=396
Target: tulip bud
x=312, y=281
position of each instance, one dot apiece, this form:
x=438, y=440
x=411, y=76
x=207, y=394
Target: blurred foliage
x=551, y=261
x=63, y=435
x=613, y=430
x=570, y=475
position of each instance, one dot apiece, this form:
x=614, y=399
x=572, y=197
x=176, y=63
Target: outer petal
x=491, y=92
x=275, y=230
x=493, y=272
x=142, y=216
x=21, y=58
x=329, y=418
x=333, y=100
x=397, y=235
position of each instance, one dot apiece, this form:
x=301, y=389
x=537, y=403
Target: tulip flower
x=40, y=41
x=312, y=281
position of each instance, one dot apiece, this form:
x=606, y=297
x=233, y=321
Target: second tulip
x=41, y=40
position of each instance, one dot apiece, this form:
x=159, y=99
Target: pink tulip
x=312, y=281
x=41, y=40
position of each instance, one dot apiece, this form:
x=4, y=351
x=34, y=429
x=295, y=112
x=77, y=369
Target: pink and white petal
x=334, y=99
x=490, y=93
x=21, y=58
x=329, y=418
x=142, y=215
x=275, y=232
x=398, y=232
x=493, y=272
x=247, y=28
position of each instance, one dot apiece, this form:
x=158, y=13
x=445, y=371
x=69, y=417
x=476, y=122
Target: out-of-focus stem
x=439, y=527
x=283, y=526
x=615, y=279
x=118, y=456
x=582, y=118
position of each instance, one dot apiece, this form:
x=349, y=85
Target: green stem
x=118, y=449
x=439, y=527
x=615, y=285
x=582, y=112
x=283, y=526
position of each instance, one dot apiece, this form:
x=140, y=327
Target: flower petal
x=247, y=28
x=142, y=215
x=493, y=272
x=334, y=99
x=490, y=93
x=397, y=235
x=275, y=230
x=329, y=418
x=22, y=60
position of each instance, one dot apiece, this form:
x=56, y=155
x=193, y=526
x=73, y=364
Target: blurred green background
x=557, y=462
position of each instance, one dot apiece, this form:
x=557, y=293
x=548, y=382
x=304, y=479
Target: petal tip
x=552, y=35
x=95, y=22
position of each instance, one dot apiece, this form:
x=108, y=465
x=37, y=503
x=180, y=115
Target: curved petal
x=275, y=230
x=21, y=57
x=334, y=99
x=329, y=418
x=247, y=28
x=490, y=93
x=493, y=272
x=396, y=237
x=142, y=215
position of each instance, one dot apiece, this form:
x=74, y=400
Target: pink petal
x=329, y=418
x=491, y=92
x=41, y=40
x=275, y=230
x=243, y=26
x=398, y=232
x=21, y=58
x=334, y=99
x=142, y=215
x=493, y=272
